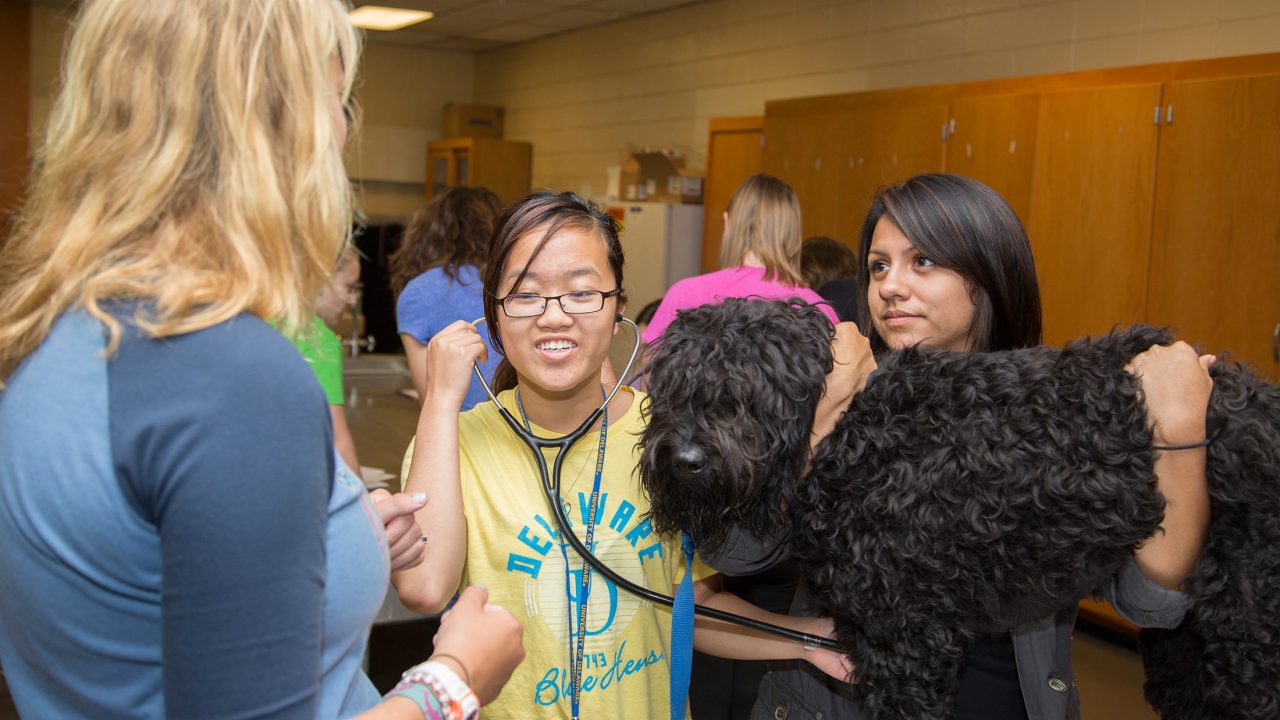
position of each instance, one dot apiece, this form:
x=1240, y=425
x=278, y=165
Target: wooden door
x=804, y=150
x=993, y=139
x=1091, y=200
x=735, y=152
x=1215, y=256
x=885, y=141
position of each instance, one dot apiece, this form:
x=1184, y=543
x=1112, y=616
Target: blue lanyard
x=584, y=592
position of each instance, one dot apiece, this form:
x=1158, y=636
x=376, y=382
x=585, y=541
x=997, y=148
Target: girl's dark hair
x=546, y=212
x=452, y=230
x=965, y=226
x=823, y=259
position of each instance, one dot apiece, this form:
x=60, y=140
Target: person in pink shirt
x=760, y=256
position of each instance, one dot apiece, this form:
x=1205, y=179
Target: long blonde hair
x=764, y=218
x=192, y=163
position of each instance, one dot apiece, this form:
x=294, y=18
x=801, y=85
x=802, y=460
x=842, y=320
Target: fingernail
x=482, y=586
x=420, y=497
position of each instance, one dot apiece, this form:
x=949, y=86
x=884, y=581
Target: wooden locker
x=1215, y=255
x=804, y=150
x=993, y=139
x=886, y=140
x=1091, y=198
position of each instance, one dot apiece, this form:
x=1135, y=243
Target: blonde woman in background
x=759, y=255
x=177, y=538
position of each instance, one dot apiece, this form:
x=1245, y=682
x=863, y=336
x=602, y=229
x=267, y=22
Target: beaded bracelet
x=434, y=683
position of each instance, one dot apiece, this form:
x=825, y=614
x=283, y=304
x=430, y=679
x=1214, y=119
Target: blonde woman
x=177, y=538
x=759, y=255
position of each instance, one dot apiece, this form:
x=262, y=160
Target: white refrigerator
x=663, y=244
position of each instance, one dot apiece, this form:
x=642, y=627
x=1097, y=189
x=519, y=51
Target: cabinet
x=1090, y=221
x=1215, y=255
x=503, y=166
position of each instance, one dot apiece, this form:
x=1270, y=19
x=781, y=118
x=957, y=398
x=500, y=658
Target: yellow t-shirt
x=513, y=548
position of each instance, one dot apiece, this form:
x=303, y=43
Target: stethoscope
x=551, y=488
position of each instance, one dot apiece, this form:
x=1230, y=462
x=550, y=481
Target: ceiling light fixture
x=375, y=17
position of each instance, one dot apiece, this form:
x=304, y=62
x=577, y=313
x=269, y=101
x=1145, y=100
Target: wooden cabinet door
x=993, y=139
x=885, y=142
x=803, y=150
x=735, y=152
x=1091, y=200
x=1215, y=256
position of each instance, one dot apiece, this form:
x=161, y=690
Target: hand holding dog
x=852, y=364
x=1176, y=386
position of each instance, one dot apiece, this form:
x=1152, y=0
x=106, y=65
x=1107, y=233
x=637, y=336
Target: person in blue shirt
x=436, y=276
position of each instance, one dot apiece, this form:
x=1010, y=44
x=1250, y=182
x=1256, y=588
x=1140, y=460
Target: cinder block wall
x=583, y=96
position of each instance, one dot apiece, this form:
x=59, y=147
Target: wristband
x=427, y=698
x=457, y=700
x=1189, y=446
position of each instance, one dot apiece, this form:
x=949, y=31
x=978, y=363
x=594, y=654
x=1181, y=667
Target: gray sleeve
x=221, y=439
x=1143, y=602
x=746, y=554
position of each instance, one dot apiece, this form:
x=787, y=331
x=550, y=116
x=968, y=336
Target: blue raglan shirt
x=164, y=517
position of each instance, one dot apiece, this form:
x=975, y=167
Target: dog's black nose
x=689, y=462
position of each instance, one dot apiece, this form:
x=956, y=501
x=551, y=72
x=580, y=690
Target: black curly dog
x=967, y=493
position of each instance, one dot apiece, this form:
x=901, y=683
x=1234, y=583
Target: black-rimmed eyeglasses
x=578, y=302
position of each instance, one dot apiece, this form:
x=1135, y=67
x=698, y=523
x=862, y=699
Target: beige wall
x=402, y=91
x=582, y=97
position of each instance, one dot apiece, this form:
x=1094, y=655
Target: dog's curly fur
x=968, y=493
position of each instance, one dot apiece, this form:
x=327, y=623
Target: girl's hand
x=830, y=662
x=450, y=356
x=404, y=536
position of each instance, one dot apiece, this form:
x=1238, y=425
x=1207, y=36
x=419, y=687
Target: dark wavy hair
x=964, y=226
x=546, y=212
x=823, y=259
x=452, y=230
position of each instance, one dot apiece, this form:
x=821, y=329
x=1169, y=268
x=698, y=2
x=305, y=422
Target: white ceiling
x=474, y=25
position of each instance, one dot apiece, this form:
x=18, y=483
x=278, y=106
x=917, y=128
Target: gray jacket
x=795, y=690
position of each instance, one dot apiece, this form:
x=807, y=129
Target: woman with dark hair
x=553, y=302
x=946, y=265
x=965, y=228
x=436, y=271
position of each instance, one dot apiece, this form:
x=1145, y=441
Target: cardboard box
x=659, y=176
x=471, y=120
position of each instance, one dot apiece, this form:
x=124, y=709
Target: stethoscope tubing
x=551, y=488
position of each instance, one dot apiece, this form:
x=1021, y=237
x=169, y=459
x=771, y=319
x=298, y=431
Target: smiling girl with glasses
x=553, y=301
